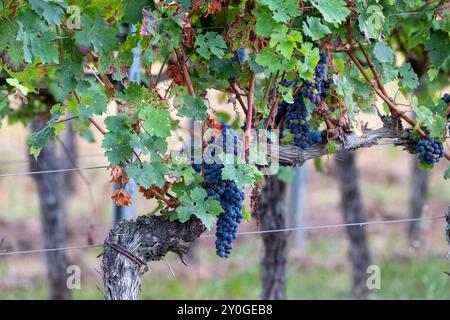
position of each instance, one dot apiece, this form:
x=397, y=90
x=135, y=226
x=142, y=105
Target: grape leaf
x=210, y=43
x=333, y=11
x=97, y=33
x=241, y=173
x=133, y=94
x=265, y=23
x=285, y=42
x=409, y=77
x=200, y=205
x=37, y=43
x=132, y=10
x=191, y=107
x=447, y=173
x=283, y=10
x=438, y=47
x=315, y=29
x=156, y=122
x=147, y=174
x=116, y=140
x=51, y=11
x=93, y=99
x=285, y=174
x=383, y=53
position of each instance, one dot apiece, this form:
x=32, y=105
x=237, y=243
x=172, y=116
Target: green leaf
x=315, y=29
x=390, y=73
x=287, y=93
x=438, y=47
x=96, y=33
x=116, y=142
x=200, y=205
x=132, y=10
x=434, y=122
x=432, y=74
x=39, y=139
x=156, y=122
x=409, y=77
x=51, y=11
x=383, y=53
x=147, y=174
x=333, y=11
x=285, y=174
x=285, y=42
x=191, y=107
x=134, y=94
x=307, y=67
x=331, y=147
x=93, y=99
x=241, y=173
x=246, y=216
x=16, y=84
x=210, y=43
x=447, y=173
x=37, y=41
x=265, y=23
x=283, y=10
x=272, y=61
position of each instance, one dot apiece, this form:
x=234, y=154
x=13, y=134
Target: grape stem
x=238, y=95
x=250, y=103
x=182, y=61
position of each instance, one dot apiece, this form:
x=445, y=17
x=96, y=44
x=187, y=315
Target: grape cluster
x=430, y=150
x=446, y=98
x=297, y=124
x=317, y=90
x=224, y=191
x=297, y=113
x=239, y=56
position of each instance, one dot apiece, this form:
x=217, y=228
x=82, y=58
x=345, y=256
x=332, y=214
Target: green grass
x=317, y=275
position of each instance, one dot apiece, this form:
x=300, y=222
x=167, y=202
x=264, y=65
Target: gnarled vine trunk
x=51, y=198
x=273, y=216
x=131, y=244
x=352, y=210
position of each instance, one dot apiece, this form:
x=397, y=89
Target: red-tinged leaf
x=122, y=197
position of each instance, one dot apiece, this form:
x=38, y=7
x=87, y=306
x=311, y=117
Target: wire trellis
x=317, y=227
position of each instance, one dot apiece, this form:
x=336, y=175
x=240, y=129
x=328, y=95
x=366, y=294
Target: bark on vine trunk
x=131, y=244
x=418, y=196
x=352, y=209
x=273, y=216
x=51, y=200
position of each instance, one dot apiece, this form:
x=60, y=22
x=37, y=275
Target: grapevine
x=308, y=68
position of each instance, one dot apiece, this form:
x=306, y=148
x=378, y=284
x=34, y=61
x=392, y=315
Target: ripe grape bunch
x=446, y=99
x=430, y=150
x=297, y=112
x=226, y=192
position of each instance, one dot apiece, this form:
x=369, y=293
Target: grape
x=430, y=150
x=239, y=56
x=226, y=192
x=446, y=98
x=297, y=113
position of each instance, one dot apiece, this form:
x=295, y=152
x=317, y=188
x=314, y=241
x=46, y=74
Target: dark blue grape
x=224, y=191
x=446, y=98
x=430, y=150
x=239, y=56
x=297, y=113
